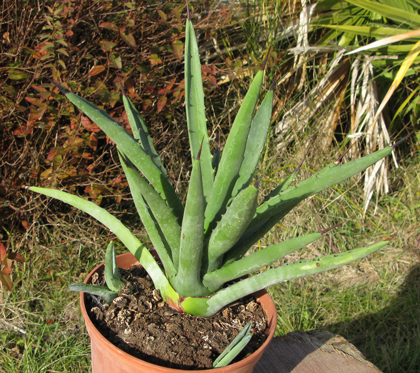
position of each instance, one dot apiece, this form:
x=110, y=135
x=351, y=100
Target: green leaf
x=232, y=225
x=107, y=46
x=233, y=155
x=131, y=149
x=402, y=72
x=162, y=15
x=195, y=110
x=270, y=212
x=254, y=233
x=316, y=183
x=349, y=15
x=209, y=306
x=124, y=234
x=100, y=291
x=17, y=75
x=255, y=143
x=115, y=61
x=379, y=33
x=129, y=39
x=284, y=185
x=188, y=279
x=257, y=260
x=403, y=105
x=400, y=4
x=399, y=15
x=141, y=134
x=167, y=222
x=155, y=234
x=100, y=214
x=235, y=347
x=112, y=277
x=303, y=268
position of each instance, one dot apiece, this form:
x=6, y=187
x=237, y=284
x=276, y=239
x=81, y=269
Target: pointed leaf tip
x=188, y=11
x=199, y=152
x=122, y=88
x=301, y=163
x=402, y=140
x=330, y=228
x=340, y=158
x=63, y=90
x=265, y=59
x=273, y=83
x=123, y=157
x=392, y=237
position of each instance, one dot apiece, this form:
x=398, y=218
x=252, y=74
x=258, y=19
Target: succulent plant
x=203, y=246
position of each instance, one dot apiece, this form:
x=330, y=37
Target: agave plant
x=202, y=246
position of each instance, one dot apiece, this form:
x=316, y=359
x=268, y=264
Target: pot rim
x=259, y=295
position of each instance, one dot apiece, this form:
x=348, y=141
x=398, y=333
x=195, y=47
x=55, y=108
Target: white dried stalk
x=369, y=124
x=298, y=117
x=302, y=40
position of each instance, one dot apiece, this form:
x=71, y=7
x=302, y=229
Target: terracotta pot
x=106, y=357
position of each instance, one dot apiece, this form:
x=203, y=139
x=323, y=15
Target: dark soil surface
x=140, y=323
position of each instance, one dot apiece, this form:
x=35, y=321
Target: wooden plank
x=313, y=352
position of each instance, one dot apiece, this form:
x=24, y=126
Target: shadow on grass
x=390, y=338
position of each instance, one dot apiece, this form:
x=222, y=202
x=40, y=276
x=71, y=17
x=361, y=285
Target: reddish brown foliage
x=6, y=262
x=91, y=48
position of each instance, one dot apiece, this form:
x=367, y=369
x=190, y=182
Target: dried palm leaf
x=320, y=109
x=368, y=122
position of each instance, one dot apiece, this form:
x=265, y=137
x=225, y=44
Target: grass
x=373, y=303
x=41, y=325
x=379, y=317
x=46, y=349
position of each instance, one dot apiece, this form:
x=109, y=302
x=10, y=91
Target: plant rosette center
x=138, y=322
